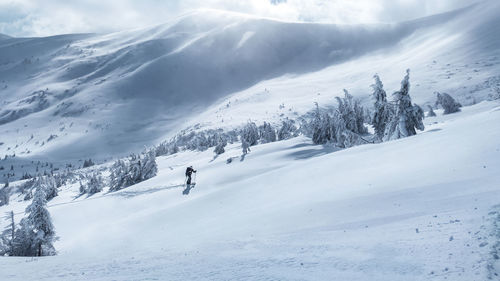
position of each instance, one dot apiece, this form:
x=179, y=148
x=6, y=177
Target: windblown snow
x=426, y=207
x=114, y=93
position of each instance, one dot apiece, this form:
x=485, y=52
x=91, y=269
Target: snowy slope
x=419, y=208
x=460, y=56
x=113, y=93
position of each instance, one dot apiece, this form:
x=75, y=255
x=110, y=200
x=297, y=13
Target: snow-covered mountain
x=72, y=96
x=425, y=207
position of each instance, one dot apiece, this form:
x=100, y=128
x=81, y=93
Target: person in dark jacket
x=189, y=172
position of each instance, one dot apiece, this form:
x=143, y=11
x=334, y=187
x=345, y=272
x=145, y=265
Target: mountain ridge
x=116, y=85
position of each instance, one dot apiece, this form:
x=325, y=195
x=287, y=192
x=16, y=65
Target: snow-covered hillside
x=113, y=93
x=420, y=208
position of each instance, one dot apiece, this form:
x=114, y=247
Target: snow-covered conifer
x=431, y=112
x=8, y=234
x=448, y=103
x=219, y=148
x=23, y=243
x=94, y=184
x=250, y=133
x=36, y=234
x=118, y=175
x=352, y=113
x=321, y=127
x=382, y=109
x=137, y=169
x=407, y=117
x=287, y=130
x=4, y=194
x=50, y=186
x=88, y=163
x=267, y=133
x=245, y=146
x=149, y=166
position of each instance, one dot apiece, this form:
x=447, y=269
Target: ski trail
x=129, y=194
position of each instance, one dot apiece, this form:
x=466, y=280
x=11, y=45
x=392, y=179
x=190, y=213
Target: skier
x=189, y=171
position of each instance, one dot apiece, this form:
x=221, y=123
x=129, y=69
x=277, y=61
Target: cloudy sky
x=49, y=17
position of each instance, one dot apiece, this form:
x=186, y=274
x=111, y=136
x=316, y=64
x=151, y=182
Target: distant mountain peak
x=4, y=36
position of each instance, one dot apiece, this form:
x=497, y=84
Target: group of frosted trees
x=48, y=182
x=399, y=118
x=35, y=234
x=4, y=194
x=135, y=169
x=344, y=126
x=249, y=135
x=94, y=184
x=447, y=102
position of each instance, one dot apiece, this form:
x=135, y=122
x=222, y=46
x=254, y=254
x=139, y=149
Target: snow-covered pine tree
x=352, y=113
x=82, y=188
x=338, y=129
x=382, y=109
x=36, y=234
x=321, y=129
x=4, y=194
x=407, y=117
x=8, y=234
x=287, y=130
x=23, y=243
x=50, y=187
x=448, y=103
x=431, y=112
x=149, y=167
x=250, y=133
x=61, y=178
x=118, y=175
x=41, y=223
x=322, y=132
x=174, y=149
x=137, y=169
x=245, y=146
x=94, y=184
x=133, y=171
x=221, y=144
x=267, y=133
x=88, y=163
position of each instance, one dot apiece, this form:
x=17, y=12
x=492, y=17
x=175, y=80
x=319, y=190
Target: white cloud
x=49, y=17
